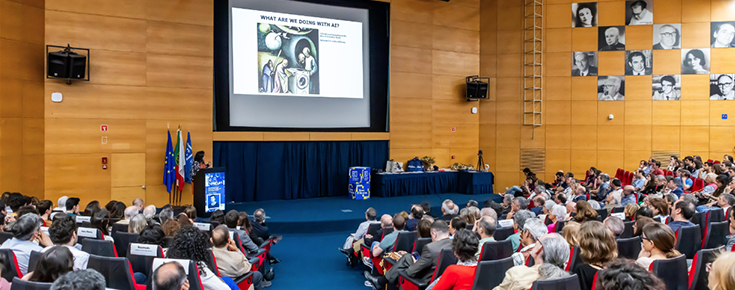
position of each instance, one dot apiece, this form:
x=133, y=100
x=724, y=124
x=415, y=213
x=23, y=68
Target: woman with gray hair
x=137, y=224
x=550, y=254
x=558, y=213
x=26, y=230
x=533, y=229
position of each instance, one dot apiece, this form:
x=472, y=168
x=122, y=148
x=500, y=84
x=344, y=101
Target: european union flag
x=169, y=171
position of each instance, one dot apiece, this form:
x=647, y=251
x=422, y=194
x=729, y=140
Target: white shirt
x=22, y=250
x=210, y=281
x=362, y=229
x=647, y=19
x=617, y=195
x=80, y=258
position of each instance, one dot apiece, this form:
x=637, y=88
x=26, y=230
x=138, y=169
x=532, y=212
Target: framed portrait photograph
x=639, y=12
x=666, y=87
x=695, y=61
x=611, y=88
x=611, y=38
x=584, y=63
x=667, y=36
x=722, y=34
x=638, y=62
x=584, y=14
x=721, y=87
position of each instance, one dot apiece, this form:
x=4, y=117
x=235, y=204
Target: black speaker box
x=57, y=64
x=476, y=90
x=77, y=66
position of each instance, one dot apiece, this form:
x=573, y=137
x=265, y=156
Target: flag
x=189, y=159
x=168, y=165
x=179, y=160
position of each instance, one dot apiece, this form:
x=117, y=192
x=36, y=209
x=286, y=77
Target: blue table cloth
x=389, y=185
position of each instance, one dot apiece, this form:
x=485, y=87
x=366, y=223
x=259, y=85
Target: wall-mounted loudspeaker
x=476, y=87
x=67, y=64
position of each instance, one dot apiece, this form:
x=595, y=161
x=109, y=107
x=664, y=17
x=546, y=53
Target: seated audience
x=462, y=275
x=231, y=262
x=630, y=211
x=628, y=196
x=72, y=206
x=539, y=202
x=597, y=247
x=91, y=207
x=118, y=211
x=673, y=186
x=594, y=204
x=389, y=240
x=63, y=232
x=259, y=227
x=423, y=230
x=580, y=194
x=584, y=212
x=80, y=280
x=570, y=231
x=152, y=235
x=519, y=219
x=60, y=205
x=660, y=208
x=449, y=210
x=639, y=223
x=658, y=243
x=27, y=236
x=639, y=180
x=191, y=213
x=139, y=204
x=137, y=223
x=26, y=209
x=386, y=221
x=682, y=212
x=166, y=214
x=518, y=203
x=456, y=224
x=731, y=231
x=217, y=217
x=722, y=276
x=533, y=229
x=644, y=211
x=558, y=213
x=171, y=227
x=416, y=214
x=44, y=210
x=615, y=197
x=627, y=275
x=101, y=221
x=130, y=212
x=149, y=212
x=485, y=227
x=190, y=243
x=615, y=225
x=54, y=262
x=550, y=255
x=170, y=276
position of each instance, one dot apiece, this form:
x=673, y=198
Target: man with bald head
x=612, y=39
x=140, y=204
x=170, y=276
x=628, y=195
x=723, y=35
x=449, y=210
x=386, y=221
x=231, y=262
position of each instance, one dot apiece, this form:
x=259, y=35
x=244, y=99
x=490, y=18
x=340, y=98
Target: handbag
x=414, y=165
x=393, y=166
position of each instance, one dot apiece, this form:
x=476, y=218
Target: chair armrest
x=265, y=244
x=253, y=260
x=414, y=281
x=390, y=260
x=242, y=278
x=258, y=253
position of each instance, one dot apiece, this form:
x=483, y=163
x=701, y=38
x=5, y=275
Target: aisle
x=311, y=261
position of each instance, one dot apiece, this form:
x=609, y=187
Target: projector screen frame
x=379, y=27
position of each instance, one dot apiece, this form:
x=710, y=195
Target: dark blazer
x=411, y=224
x=592, y=71
x=646, y=71
x=617, y=46
x=424, y=267
x=448, y=217
x=260, y=230
x=658, y=46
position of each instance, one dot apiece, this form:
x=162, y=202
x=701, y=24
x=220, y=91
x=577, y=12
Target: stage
x=342, y=214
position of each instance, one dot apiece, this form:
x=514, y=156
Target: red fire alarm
x=104, y=162
x=452, y=156
x=103, y=128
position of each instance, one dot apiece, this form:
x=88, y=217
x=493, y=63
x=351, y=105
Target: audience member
x=456, y=224
x=533, y=229
x=152, y=235
x=149, y=212
x=190, y=243
x=54, y=262
x=72, y=206
x=597, y=247
x=683, y=211
x=166, y=214
x=259, y=226
x=518, y=203
x=27, y=236
x=386, y=221
x=462, y=275
x=63, y=232
x=171, y=227
x=644, y=211
x=630, y=211
x=558, y=213
x=139, y=204
x=519, y=219
x=191, y=213
x=80, y=280
x=137, y=223
x=217, y=217
x=731, y=232
x=721, y=276
x=615, y=225
x=231, y=262
x=170, y=276
x=91, y=207
x=130, y=212
x=44, y=210
x=389, y=240
x=550, y=255
x=639, y=223
x=449, y=210
x=60, y=205
x=629, y=196
x=26, y=209
x=584, y=212
x=658, y=243
x=570, y=231
x=624, y=274
x=118, y=211
x=485, y=227
x=101, y=221
x=416, y=214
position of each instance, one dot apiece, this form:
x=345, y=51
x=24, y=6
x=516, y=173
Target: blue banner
x=214, y=189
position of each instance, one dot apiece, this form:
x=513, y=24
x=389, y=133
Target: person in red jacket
x=462, y=275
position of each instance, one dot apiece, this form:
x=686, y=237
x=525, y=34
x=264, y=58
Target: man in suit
x=421, y=269
x=231, y=262
x=667, y=91
x=725, y=84
x=584, y=68
x=669, y=36
x=416, y=214
x=637, y=64
x=612, y=38
x=259, y=227
x=449, y=210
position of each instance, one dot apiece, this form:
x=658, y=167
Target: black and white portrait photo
x=584, y=63
x=639, y=12
x=611, y=38
x=666, y=87
x=695, y=61
x=611, y=88
x=721, y=87
x=667, y=36
x=722, y=34
x=584, y=14
x=638, y=62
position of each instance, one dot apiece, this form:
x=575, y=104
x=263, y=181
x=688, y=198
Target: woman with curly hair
x=624, y=274
x=190, y=243
x=462, y=275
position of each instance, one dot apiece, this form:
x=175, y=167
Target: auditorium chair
x=418, y=246
x=629, y=181
x=373, y=229
x=195, y=283
x=117, y=271
x=601, y=214
x=243, y=282
x=619, y=173
x=699, y=219
x=20, y=284
x=629, y=247
x=123, y=240
x=496, y=250
x=574, y=259
x=88, y=233
x=446, y=258
x=503, y=233
x=715, y=215
x=698, y=273
x=673, y=272
x=530, y=261
x=260, y=255
x=547, y=220
x=4, y=236
x=559, y=227
x=119, y=228
x=99, y=247
x=688, y=241
x=10, y=265
x=697, y=185
x=566, y=283
x=404, y=241
x=141, y=257
x=487, y=273
x=238, y=242
x=627, y=230
x=33, y=259
x=715, y=235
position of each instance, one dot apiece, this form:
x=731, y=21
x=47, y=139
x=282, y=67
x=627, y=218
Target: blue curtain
x=258, y=171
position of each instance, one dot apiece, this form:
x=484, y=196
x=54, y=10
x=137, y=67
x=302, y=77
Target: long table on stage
x=423, y=183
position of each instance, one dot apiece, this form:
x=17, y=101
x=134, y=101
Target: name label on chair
x=143, y=250
x=203, y=226
x=81, y=219
x=45, y=230
x=506, y=223
x=620, y=215
x=87, y=232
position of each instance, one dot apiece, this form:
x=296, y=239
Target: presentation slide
x=214, y=188
x=296, y=55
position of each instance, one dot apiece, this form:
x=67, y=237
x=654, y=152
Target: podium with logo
x=359, y=183
x=209, y=191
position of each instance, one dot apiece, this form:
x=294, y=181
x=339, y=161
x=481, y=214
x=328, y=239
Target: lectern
x=209, y=191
